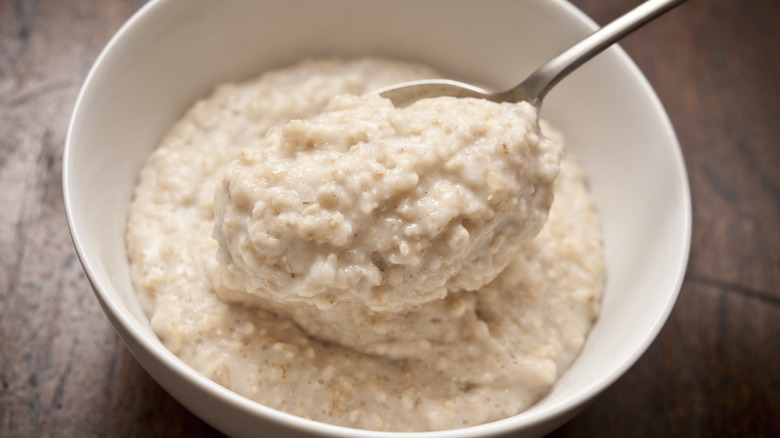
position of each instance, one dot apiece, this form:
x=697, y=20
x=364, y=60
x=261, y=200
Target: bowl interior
x=173, y=52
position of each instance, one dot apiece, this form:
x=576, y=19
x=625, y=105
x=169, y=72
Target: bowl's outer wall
x=174, y=51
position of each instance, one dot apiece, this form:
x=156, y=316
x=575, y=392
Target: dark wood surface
x=714, y=370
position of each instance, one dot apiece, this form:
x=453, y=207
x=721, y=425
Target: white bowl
x=172, y=52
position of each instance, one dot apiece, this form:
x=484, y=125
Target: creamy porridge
x=343, y=260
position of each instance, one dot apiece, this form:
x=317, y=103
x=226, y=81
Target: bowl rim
x=131, y=333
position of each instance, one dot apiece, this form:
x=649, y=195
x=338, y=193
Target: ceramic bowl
x=173, y=52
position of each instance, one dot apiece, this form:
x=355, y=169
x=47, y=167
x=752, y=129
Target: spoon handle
x=536, y=86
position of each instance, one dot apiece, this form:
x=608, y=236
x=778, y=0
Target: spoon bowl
x=535, y=87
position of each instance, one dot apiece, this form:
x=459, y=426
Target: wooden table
x=713, y=371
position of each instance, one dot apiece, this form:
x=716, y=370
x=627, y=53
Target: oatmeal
x=390, y=207
x=373, y=267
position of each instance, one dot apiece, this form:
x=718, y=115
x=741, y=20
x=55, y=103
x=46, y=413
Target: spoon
x=535, y=87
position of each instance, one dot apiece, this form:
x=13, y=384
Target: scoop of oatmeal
x=389, y=207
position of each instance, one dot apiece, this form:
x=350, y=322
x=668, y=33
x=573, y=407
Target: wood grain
x=712, y=371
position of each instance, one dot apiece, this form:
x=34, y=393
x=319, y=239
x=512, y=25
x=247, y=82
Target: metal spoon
x=535, y=87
